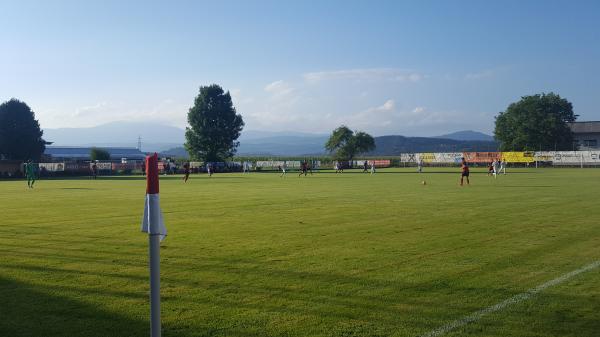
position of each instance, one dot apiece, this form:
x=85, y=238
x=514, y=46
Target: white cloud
x=239, y=99
x=480, y=75
x=278, y=109
x=388, y=118
x=421, y=116
x=373, y=117
x=488, y=73
x=167, y=111
x=415, y=77
x=282, y=96
x=388, y=105
x=279, y=88
x=235, y=93
x=315, y=101
x=368, y=74
x=418, y=109
x=90, y=109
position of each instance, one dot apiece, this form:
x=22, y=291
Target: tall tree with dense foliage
x=99, y=154
x=214, y=125
x=536, y=121
x=345, y=144
x=20, y=133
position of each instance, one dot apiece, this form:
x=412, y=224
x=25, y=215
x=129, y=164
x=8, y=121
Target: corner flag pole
x=154, y=241
x=152, y=223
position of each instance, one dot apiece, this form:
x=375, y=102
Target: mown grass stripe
x=511, y=301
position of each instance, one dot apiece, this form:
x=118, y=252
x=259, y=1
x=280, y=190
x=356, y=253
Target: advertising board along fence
x=448, y=157
x=425, y=157
x=77, y=168
x=381, y=162
x=359, y=163
x=518, y=157
x=570, y=157
x=129, y=166
x=275, y=164
x=102, y=166
x=440, y=157
x=52, y=167
x=481, y=157
x=409, y=158
x=590, y=157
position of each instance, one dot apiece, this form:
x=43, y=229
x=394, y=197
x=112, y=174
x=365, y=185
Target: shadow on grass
x=85, y=178
x=140, y=177
x=77, y=188
x=247, y=308
x=425, y=172
x=526, y=186
x=250, y=295
x=29, y=310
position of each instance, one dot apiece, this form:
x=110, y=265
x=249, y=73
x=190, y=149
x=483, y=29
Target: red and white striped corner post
x=153, y=224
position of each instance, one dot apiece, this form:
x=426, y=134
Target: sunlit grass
x=324, y=255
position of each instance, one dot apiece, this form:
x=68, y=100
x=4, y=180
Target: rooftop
x=585, y=127
x=77, y=152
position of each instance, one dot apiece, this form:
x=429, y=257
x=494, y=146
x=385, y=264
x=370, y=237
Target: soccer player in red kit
x=464, y=172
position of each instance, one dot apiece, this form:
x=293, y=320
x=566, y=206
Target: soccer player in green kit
x=30, y=174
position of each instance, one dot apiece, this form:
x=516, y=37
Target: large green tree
x=345, y=144
x=214, y=125
x=538, y=121
x=20, y=134
x=99, y=154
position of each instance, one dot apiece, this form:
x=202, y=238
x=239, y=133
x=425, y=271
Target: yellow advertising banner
x=427, y=157
x=518, y=157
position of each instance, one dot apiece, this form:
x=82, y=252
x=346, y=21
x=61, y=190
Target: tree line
x=214, y=126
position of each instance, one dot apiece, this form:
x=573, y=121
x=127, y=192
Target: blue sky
x=411, y=68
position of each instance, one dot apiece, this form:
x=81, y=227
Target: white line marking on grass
x=513, y=300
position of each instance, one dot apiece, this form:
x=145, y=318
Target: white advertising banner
x=292, y=164
x=543, y=156
x=408, y=157
x=277, y=163
x=439, y=158
x=448, y=157
x=103, y=166
x=576, y=157
x=591, y=157
x=52, y=167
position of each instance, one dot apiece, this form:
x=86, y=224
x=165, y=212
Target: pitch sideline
x=513, y=300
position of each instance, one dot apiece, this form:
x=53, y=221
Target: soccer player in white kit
x=283, y=167
x=496, y=165
x=372, y=167
x=503, y=166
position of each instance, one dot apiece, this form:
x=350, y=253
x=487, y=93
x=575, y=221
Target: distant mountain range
x=155, y=137
x=274, y=145
x=168, y=140
x=257, y=135
x=394, y=145
x=467, y=135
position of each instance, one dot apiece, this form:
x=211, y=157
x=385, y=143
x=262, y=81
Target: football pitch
x=325, y=255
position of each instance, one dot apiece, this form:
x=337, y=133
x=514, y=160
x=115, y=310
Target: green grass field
x=323, y=255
